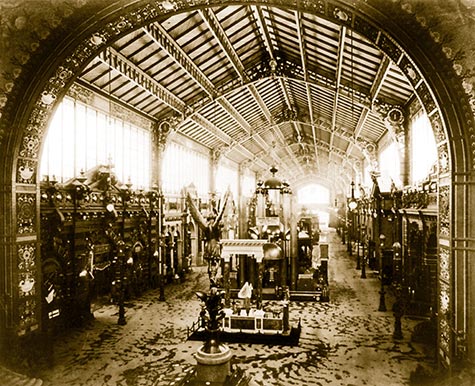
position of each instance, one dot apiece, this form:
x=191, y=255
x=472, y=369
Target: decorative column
x=398, y=306
x=160, y=246
x=121, y=261
x=286, y=221
x=363, y=263
x=226, y=270
x=293, y=252
x=161, y=132
x=260, y=275
x=382, y=301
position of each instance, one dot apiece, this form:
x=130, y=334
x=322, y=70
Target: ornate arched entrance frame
x=88, y=28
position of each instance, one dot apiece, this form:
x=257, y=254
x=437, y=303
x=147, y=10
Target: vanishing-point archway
x=38, y=77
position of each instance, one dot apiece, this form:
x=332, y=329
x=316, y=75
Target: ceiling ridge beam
x=303, y=58
x=361, y=122
x=257, y=11
x=300, y=34
x=159, y=35
x=218, y=32
x=163, y=39
x=118, y=62
x=339, y=69
x=312, y=122
x=216, y=29
x=381, y=74
x=125, y=67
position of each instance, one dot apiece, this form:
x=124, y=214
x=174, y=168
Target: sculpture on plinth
x=211, y=228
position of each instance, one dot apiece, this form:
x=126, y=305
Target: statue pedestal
x=214, y=366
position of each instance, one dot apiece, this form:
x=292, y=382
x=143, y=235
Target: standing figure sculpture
x=211, y=233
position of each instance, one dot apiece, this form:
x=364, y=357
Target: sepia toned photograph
x=237, y=193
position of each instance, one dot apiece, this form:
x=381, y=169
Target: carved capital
x=161, y=131
x=215, y=155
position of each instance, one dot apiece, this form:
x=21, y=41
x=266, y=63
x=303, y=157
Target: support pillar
x=227, y=291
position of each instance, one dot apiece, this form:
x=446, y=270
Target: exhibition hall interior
x=262, y=193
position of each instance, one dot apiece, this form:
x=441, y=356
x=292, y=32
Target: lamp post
x=121, y=260
x=363, y=266
x=260, y=274
x=382, y=301
x=227, y=268
x=358, y=241
x=352, y=205
x=398, y=311
x=398, y=306
x=160, y=241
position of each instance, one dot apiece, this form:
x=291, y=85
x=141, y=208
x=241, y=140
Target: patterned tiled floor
x=343, y=342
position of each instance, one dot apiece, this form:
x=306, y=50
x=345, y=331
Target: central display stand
x=256, y=321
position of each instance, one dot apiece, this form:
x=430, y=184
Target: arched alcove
x=42, y=78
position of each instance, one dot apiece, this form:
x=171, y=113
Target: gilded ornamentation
x=27, y=287
x=418, y=199
x=389, y=47
x=26, y=213
x=444, y=298
x=381, y=109
x=26, y=171
x=80, y=93
x=216, y=154
x=318, y=6
x=444, y=263
x=443, y=153
x=444, y=210
x=436, y=123
x=27, y=316
x=444, y=333
x=162, y=130
x=426, y=97
x=410, y=70
x=26, y=257
x=366, y=29
x=30, y=146
x=340, y=14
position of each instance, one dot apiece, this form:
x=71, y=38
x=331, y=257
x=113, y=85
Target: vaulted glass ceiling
x=261, y=85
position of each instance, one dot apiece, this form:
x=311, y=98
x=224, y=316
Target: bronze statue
x=211, y=228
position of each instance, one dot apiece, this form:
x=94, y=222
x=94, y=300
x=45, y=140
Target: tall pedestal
x=213, y=366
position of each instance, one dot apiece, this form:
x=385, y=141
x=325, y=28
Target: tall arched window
x=81, y=137
x=423, y=147
x=183, y=166
x=390, y=167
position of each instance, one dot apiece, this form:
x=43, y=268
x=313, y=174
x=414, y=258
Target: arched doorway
x=37, y=88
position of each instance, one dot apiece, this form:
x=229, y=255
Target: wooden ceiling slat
x=227, y=44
